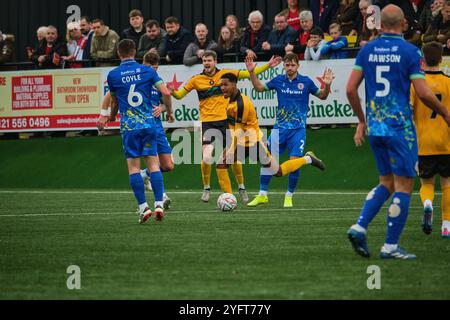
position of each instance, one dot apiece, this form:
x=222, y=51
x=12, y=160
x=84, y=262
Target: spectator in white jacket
x=314, y=45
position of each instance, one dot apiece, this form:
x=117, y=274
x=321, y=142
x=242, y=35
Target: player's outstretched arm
x=429, y=99
x=353, y=84
x=274, y=61
x=167, y=99
x=327, y=78
x=251, y=66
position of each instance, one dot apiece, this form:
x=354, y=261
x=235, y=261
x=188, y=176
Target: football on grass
x=226, y=202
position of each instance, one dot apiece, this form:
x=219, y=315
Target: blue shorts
x=395, y=155
x=292, y=139
x=162, y=142
x=140, y=143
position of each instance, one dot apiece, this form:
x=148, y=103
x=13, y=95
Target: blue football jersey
x=156, y=97
x=293, y=100
x=132, y=84
x=389, y=63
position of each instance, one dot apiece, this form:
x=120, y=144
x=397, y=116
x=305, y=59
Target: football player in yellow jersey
x=247, y=138
x=433, y=136
x=213, y=115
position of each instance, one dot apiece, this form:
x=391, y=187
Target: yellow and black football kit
x=433, y=134
x=244, y=127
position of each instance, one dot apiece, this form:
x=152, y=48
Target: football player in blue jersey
x=164, y=148
x=289, y=132
x=389, y=64
x=130, y=87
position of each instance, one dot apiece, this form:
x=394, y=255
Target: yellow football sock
x=292, y=165
x=427, y=192
x=224, y=180
x=446, y=203
x=206, y=174
x=238, y=173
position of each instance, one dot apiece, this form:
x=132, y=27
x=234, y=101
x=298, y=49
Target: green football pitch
x=198, y=252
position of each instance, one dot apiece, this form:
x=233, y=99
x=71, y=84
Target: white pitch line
x=350, y=193
x=179, y=211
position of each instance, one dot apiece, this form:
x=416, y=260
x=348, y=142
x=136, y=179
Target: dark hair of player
x=135, y=13
x=432, y=53
x=152, y=23
x=291, y=57
x=171, y=20
x=151, y=58
x=126, y=48
x=231, y=77
x=210, y=53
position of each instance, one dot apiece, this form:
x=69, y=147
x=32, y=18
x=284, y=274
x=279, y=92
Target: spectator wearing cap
x=7, y=51
x=315, y=45
x=104, y=43
x=195, y=50
x=298, y=46
x=153, y=40
x=51, y=49
x=136, y=29
x=86, y=30
x=177, y=40
x=227, y=43
x=323, y=12
x=279, y=37
x=255, y=34
x=76, y=43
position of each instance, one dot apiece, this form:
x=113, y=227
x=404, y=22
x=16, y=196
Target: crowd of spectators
x=328, y=29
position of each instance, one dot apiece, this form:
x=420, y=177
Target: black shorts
x=258, y=153
x=429, y=166
x=215, y=129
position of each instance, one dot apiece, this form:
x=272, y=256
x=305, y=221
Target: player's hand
x=101, y=122
x=157, y=111
x=170, y=117
x=250, y=64
x=265, y=45
x=360, y=133
x=328, y=76
x=275, y=61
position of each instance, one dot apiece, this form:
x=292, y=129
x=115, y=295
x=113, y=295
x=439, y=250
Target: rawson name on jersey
x=385, y=55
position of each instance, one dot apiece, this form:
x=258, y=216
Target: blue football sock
x=138, y=187
x=264, y=182
x=292, y=180
x=397, y=216
x=374, y=201
x=156, y=179
x=148, y=173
